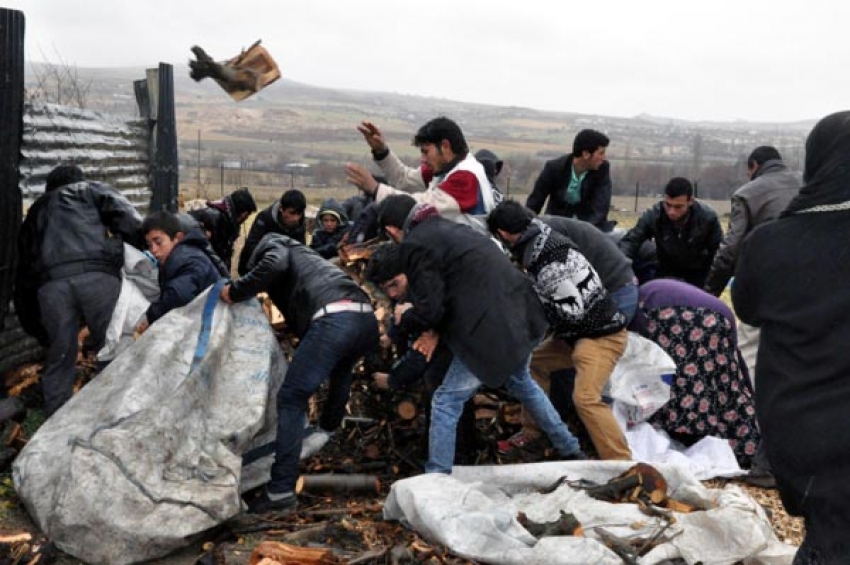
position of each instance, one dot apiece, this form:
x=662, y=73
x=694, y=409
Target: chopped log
x=678, y=506
x=247, y=73
x=407, y=409
x=639, y=483
x=337, y=483
x=277, y=553
x=10, y=539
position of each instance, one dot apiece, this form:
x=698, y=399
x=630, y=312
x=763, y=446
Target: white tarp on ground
x=473, y=512
x=148, y=454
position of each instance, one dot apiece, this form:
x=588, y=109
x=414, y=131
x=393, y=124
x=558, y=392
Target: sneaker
x=263, y=504
x=520, y=442
x=314, y=440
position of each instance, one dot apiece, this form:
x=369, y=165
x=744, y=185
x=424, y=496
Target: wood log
x=407, y=409
x=247, y=73
x=277, y=553
x=337, y=483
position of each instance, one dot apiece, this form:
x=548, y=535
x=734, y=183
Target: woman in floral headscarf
x=711, y=394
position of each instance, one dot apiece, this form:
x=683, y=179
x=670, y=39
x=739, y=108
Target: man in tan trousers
x=589, y=331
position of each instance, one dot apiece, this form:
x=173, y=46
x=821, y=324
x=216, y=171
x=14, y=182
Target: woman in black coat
x=791, y=281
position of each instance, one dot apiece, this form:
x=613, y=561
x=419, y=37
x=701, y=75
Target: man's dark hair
x=243, y=201
x=393, y=210
x=384, y=264
x=163, y=221
x=589, y=140
x=509, y=215
x=63, y=175
x=679, y=186
x=761, y=155
x=294, y=199
x=439, y=129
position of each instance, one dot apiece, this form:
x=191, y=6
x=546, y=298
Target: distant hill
x=294, y=122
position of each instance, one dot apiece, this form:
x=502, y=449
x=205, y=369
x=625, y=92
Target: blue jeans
x=626, y=298
x=460, y=385
x=329, y=350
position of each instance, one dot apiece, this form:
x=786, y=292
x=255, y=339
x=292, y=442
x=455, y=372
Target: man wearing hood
x=284, y=217
x=331, y=226
x=70, y=252
x=490, y=323
x=221, y=219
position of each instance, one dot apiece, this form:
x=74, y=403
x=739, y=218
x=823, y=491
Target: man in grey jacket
x=771, y=188
x=71, y=249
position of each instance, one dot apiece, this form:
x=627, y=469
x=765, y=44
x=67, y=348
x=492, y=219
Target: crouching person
x=187, y=265
x=589, y=331
x=485, y=310
x=334, y=321
x=412, y=368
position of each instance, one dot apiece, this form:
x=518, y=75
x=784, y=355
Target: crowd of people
x=487, y=293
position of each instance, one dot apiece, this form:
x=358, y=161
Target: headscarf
x=827, y=170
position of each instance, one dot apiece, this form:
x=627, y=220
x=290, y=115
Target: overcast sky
x=758, y=60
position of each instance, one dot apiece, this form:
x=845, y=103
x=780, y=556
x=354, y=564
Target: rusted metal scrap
x=247, y=73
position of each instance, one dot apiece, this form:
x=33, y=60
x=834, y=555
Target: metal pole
x=199, y=165
x=637, y=194
x=221, y=166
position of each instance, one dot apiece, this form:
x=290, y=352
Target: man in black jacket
x=687, y=234
x=70, y=253
x=577, y=185
x=334, y=320
x=284, y=217
x=484, y=309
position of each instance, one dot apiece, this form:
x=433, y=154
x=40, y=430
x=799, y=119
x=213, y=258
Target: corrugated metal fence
x=136, y=155
x=107, y=148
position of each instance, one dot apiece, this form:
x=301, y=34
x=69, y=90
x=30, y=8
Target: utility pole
x=199, y=165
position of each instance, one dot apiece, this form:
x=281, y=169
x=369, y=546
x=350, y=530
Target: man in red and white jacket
x=450, y=178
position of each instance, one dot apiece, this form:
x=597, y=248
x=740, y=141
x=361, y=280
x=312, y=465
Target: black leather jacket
x=298, y=280
x=684, y=252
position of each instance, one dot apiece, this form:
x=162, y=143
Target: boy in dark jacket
x=185, y=269
x=333, y=223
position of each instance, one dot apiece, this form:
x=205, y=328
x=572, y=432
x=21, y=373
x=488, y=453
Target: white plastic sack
x=640, y=382
x=473, y=512
x=139, y=287
x=148, y=454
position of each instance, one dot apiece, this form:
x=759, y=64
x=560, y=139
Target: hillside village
x=293, y=123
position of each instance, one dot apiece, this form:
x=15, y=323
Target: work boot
x=279, y=504
x=314, y=440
